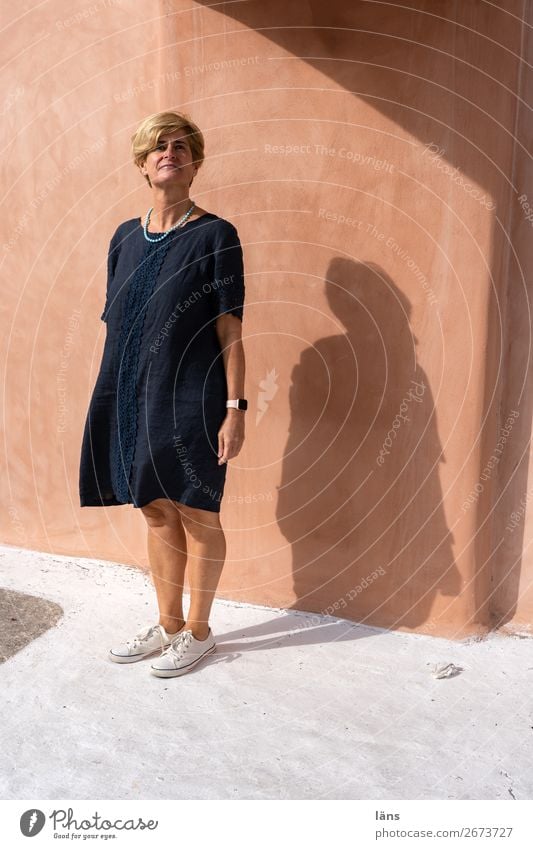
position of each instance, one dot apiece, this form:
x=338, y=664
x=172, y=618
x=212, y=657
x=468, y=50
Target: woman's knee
x=161, y=513
x=198, y=522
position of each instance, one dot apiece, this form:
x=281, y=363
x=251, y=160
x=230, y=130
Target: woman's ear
x=144, y=174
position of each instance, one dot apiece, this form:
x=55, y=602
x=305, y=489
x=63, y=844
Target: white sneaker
x=184, y=652
x=151, y=639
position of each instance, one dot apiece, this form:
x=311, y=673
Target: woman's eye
x=178, y=146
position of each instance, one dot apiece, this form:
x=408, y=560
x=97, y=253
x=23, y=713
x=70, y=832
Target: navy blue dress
x=160, y=397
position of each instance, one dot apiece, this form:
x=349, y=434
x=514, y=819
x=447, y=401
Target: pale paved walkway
x=283, y=710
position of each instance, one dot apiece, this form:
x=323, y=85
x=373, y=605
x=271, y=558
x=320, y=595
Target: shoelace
x=144, y=635
x=179, y=645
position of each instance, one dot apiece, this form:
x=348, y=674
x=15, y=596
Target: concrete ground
x=291, y=706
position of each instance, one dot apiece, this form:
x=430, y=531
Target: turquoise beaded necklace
x=179, y=223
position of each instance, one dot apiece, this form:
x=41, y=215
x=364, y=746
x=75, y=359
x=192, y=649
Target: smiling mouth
x=168, y=166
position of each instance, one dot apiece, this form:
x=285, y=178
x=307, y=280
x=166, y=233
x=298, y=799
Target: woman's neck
x=167, y=212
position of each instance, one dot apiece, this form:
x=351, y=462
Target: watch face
x=243, y=404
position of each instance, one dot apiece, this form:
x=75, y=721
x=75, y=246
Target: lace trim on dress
x=138, y=296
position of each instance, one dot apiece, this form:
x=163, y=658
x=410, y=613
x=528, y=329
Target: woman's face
x=171, y=161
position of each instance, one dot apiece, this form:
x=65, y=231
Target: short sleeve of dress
x=112, y=256
x=228, y=283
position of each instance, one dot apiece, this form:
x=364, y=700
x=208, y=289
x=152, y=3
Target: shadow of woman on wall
x=360, y=499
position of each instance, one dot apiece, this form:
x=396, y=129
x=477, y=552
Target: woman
x=167, y=411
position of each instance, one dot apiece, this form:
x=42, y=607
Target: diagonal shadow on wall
x=448, y=74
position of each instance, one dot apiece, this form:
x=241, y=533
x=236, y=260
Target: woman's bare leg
x=206, y=548
x=167, y=553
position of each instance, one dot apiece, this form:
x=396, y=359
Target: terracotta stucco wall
x=371, y=158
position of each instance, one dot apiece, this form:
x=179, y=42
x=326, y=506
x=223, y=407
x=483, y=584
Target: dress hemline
x=92, y=501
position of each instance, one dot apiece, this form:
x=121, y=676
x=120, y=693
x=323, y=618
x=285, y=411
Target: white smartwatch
x=238, y=403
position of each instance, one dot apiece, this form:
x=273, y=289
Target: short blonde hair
x=146, y=136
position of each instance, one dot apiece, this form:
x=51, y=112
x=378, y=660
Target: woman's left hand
x=230, y=435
